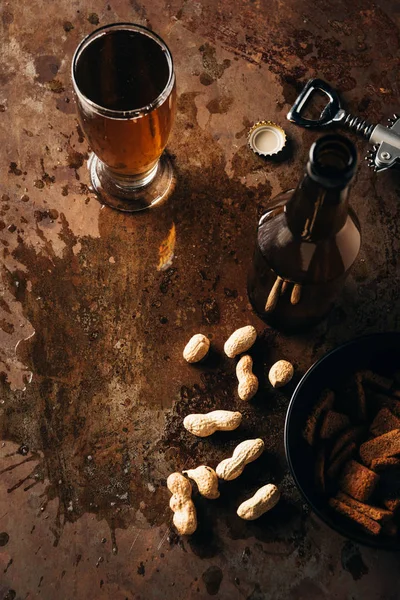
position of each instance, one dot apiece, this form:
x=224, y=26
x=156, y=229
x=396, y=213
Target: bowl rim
x=360, y=539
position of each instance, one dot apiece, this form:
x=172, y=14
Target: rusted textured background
x=96, y=306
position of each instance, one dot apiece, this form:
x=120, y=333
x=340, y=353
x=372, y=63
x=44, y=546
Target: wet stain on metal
x=212, y=578
x=4, y=537
x=76, y=159
x=47, y=67
x=56, y=86
x=213, y=70
x=10, y=562
x=220, y=105
x=352, y=561
x=79, y=131
x=68, y=26
x=93, y=18
x=210, y=311
x=7, y=17
x=14, y=169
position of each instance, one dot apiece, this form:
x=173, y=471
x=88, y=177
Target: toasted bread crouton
x=384, y=422
x=382, y=446
x=332, y=424
x=373, y=512
x=358, y=481
x=324, y=404
x=365, y=522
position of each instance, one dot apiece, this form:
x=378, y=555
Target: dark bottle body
x=306, y=245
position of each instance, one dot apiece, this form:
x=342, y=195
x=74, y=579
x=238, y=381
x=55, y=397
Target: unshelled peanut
x=244, y=453
x=248, y=382
x=206, y=424
x=185, y=518
x=240, y=341
x=196, y=348
x=263, y=500
x=280, y=373
x=206, y=480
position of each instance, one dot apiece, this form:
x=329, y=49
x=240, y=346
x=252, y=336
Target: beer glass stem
x=126, y=182
x=118, y=190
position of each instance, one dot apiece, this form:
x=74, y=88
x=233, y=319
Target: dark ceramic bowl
x=380, y=352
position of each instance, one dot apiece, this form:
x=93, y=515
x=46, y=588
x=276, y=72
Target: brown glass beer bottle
x=307, y=241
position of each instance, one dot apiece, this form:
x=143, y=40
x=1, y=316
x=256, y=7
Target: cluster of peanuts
x=203, y=425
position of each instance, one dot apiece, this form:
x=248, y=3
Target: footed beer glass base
x=131, y=194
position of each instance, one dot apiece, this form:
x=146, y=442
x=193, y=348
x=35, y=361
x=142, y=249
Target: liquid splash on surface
x=14, y=329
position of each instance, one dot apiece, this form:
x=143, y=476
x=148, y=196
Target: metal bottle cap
x=266, y=138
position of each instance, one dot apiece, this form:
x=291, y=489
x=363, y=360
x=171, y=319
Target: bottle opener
x=385, y=140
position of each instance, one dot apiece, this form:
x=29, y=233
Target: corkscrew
x=385, y=140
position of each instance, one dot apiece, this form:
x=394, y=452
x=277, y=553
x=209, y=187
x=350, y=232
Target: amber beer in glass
x=125, y=90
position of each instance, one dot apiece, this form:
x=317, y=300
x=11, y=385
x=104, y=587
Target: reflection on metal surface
x=273, y=296
x=296, y=294
x=27, y=375
x=166, y=250
x=278, y=289
x=285, y=286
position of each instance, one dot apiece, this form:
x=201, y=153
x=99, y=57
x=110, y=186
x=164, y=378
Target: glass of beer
x=124, y=82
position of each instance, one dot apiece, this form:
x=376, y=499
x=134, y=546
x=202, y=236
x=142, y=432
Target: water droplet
x=23, y=449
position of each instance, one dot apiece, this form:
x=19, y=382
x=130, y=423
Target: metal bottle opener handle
x=385, y=140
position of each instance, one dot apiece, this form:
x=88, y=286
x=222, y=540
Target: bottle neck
x=315, y=212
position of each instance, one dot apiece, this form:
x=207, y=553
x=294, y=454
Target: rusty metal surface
x=96, y=306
